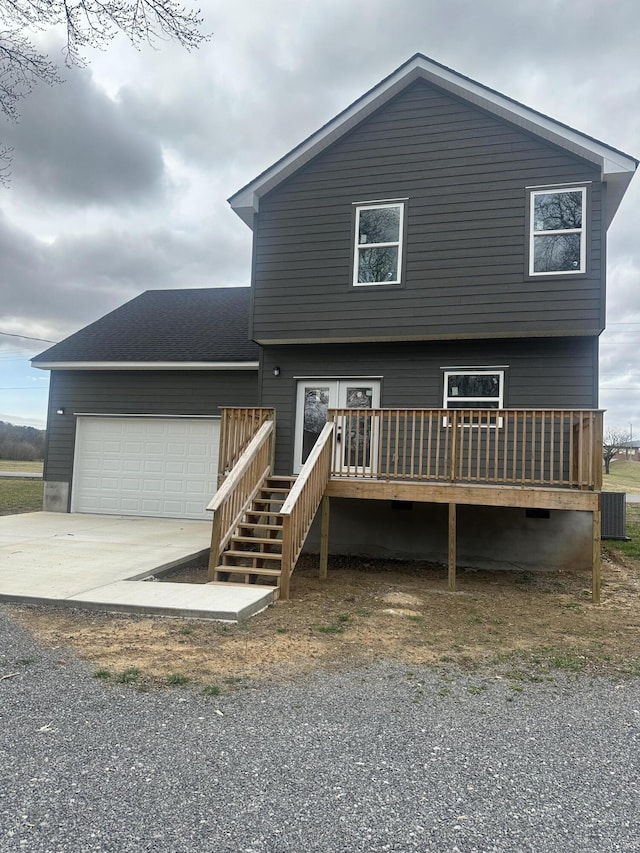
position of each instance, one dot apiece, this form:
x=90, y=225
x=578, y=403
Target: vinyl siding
x=465, y=175
x=134, y=393
x=549, y=373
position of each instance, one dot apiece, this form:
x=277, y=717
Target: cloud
x=76, y=279
x=76, y=146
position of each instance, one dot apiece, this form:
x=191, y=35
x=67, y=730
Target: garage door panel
x=145, y=466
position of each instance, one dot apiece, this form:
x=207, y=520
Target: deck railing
x=526, y=447
x=237, y=428
x=234, y=496
x=302, y=503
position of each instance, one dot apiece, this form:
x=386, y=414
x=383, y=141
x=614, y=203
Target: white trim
x=470, y=368
x=559, y=231
x=556, y=186
x=323, y=378
x=146, y=365
x=358, y=247
x=476, y=371
x=376, y=201
x=616, y=166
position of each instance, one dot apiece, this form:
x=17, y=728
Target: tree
x=613, y=442
x=88, y=24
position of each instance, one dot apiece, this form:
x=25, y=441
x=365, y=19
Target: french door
x=356, y=434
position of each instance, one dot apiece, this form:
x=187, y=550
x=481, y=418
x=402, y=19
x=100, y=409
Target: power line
x=27, y=338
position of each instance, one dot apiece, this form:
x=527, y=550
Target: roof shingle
x=203, y=325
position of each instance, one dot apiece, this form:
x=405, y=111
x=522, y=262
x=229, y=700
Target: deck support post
x=214, y=552
x=324, y=537
x=452, y=547
x=595, y=557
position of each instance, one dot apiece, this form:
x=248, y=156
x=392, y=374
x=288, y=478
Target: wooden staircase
x=254, y=552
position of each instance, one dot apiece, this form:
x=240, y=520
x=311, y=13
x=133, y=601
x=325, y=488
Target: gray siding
x=550, y=373
x=134, y=393
x=465, y=175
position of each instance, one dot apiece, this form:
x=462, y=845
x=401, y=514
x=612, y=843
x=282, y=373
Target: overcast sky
x=121, y=174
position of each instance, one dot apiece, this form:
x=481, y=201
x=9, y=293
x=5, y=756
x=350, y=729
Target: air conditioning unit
x=614, y=515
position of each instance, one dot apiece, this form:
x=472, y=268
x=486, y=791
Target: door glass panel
x=316, y=403
x=357, y=432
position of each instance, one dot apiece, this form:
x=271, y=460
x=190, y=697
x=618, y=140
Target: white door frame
x=335, y=391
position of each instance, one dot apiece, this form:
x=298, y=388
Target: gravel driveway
x=369, y=760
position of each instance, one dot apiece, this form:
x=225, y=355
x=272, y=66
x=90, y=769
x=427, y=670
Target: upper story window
x=557, y=231
x=378, y=243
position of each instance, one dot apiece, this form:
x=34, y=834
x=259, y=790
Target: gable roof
x=617, y=168
x=191, y=329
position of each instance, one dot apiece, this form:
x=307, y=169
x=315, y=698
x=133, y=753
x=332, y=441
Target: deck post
x=285, y=570
x=324, y=537
x=452, y=547
x=216, y=535
x=595, y=559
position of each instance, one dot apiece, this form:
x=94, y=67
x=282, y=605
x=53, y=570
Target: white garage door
x=145, y=466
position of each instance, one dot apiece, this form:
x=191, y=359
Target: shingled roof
x=163, y=326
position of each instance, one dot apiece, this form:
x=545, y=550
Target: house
x=631, y=450
x=427, y=293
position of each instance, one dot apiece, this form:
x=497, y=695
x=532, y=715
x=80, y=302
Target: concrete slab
x=95, y=560
x=231, y=603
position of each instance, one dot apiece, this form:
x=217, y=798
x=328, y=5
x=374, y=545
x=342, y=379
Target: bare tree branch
x=89, y=24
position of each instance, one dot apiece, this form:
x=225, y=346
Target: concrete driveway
x=98, y=561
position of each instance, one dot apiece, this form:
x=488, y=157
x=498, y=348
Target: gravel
x=379, y=759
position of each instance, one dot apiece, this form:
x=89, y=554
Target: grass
x=20, y=496
x=624, y=477
x=128, y=676
x=632, y=547
x=102, y=674
x=27, y=467
x=331, y=629
x=176, y=679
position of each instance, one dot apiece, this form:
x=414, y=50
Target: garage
x=145, y=466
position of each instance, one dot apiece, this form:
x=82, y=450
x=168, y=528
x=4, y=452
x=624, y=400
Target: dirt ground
x=366, y=611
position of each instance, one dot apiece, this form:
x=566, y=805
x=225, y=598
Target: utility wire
x=27, y=338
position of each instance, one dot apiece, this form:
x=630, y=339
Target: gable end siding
x=465, y=175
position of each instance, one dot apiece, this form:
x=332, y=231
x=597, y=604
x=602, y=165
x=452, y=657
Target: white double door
x=356, y=434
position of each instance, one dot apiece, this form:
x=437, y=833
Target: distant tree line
x=21, y=443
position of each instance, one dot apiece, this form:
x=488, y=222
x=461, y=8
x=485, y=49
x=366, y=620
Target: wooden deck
x=544, y=459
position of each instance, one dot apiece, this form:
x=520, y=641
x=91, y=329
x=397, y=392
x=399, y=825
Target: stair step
x=281, y=478
x=252, y=555
x=229, y=583
x=257, y=540
x=270, y=490
x=247, y=570
x=261, y=514
x=267, y=501
x=254, y=525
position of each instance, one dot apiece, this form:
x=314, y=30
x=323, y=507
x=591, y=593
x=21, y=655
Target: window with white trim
x=378, y=244
x=557, y=239
x=474, y=389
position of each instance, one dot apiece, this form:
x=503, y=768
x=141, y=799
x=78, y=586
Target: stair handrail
x=239, y=488
x=237, y=428
x=302, y=502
